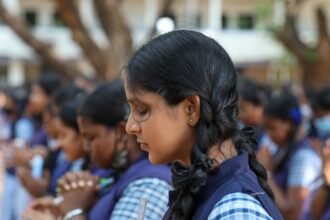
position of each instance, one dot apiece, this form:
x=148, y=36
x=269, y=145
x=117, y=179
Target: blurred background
x=273, y=41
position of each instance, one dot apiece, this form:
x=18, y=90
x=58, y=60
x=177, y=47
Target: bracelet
x=73, y=213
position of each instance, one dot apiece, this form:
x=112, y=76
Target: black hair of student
x=253, y=92
x=323, y=99
x=107, y=105
x=69, y=111
x=66, y=93
x=284, y=106
x=49, y=82
x=184, y=63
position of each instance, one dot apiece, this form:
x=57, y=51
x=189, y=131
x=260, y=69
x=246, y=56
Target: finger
x=72, y=180
x=63, y=185
x=91, y=179
x=87, y=178
x=81, y=179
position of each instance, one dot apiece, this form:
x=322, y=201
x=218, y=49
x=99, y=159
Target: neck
x=222, y=152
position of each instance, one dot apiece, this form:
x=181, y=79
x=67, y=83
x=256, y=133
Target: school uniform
x=140, y=180
x=300, y=168
x=232, y=191
x=58, y=166
x=326, y=214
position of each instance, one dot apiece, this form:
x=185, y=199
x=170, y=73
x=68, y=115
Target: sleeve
x=24, y=130
x=237, y=206
x=151, y=190
x=305, y=168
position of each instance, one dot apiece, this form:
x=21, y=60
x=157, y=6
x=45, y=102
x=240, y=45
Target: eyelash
x=139, y=113
x=142, y=112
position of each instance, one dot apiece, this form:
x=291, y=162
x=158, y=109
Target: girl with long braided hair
x=181, y=88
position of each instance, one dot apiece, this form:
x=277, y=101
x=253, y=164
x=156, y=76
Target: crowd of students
x=171, y=140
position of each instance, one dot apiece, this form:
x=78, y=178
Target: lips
x=144, y=147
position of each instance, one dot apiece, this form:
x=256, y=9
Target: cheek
x=72, y=141
x=284, y=133
x=279, y=136
x=102, y=151
x=73, y=146
x=167, y=140
x=65, y=145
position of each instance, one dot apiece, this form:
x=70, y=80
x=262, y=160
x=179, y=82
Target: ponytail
x=244, y=142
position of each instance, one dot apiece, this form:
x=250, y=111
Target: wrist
x=73, y=214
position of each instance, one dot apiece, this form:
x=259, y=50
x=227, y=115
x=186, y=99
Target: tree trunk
x=164, y=10
x=118, y=33
x=44, y=50
x=314, y=61
x=71, y=17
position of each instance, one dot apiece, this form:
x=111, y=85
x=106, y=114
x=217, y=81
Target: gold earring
x=191, y=121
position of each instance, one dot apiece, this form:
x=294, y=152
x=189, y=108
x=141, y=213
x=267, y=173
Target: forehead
x=138, y=95
x=86, y=125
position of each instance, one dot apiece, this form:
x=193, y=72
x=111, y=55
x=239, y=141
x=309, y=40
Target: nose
x=87, y=146
x=132, y=127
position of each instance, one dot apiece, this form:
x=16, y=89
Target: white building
x=240, y=26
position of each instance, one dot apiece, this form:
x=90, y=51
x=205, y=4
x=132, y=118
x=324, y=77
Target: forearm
x=37, y=188
x=285, y=204
x=290, y=202
x=319, y=202
x=281, y=201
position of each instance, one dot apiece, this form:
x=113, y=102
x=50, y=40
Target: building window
x=30, y=18
x=57, y=20
x=246, y=22
x=224, y=21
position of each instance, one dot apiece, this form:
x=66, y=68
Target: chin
x=70, y=159
x=156, y=160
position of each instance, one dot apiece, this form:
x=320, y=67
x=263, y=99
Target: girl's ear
x=120, y=130
x=192, y=109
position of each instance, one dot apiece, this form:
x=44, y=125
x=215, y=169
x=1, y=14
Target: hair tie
x=249, y=134
x=295, y=115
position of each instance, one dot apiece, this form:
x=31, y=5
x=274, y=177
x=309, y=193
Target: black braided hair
x=184, y=63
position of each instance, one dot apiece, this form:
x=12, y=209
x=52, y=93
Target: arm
x=321, y=197
x=36, y=187
x=291, y=202
x=304, y=169
x=319, y=202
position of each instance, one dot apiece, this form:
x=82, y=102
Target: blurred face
x=49, y=122
x=2, y=99
x=70, y=142
x=37, y=100
x=9, y=107
x=250, y=114
x=100, y=140
x=278, y=130
x=161, y=130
